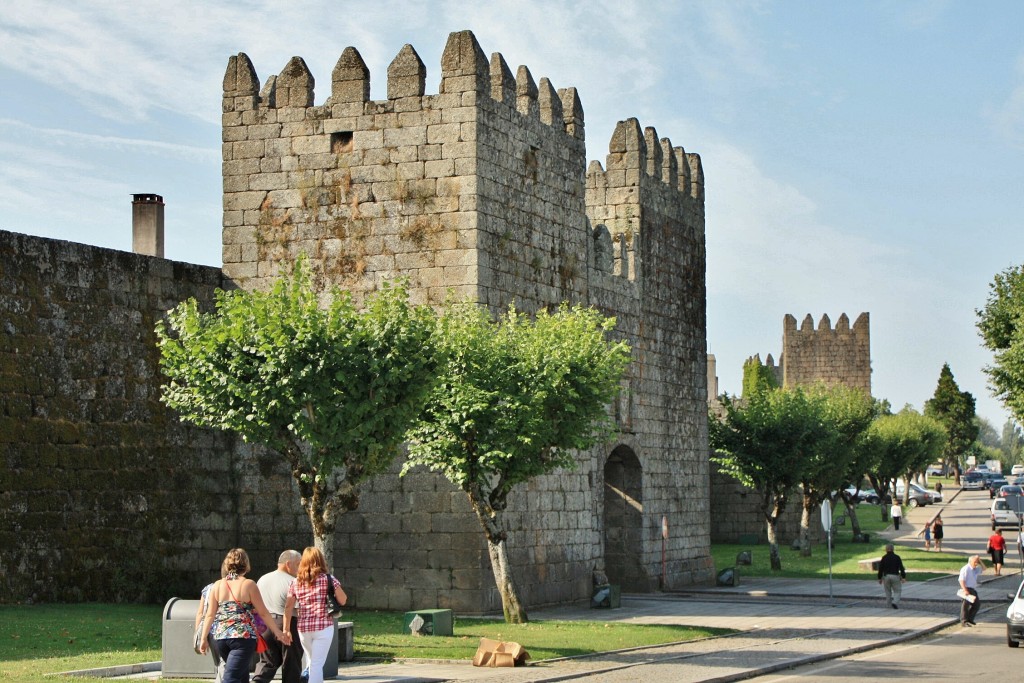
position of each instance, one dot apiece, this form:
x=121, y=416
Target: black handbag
x=333, y=607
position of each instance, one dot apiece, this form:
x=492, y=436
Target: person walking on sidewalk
x=892, y=574
x=937, y=533
x=274, y=589
x=969, y=585
x=896, y=512
x=997, y=550
x=927, y=535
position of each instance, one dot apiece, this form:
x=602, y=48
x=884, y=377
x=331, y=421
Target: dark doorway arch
x=623, y=520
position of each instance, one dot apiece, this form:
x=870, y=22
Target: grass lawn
x=921, y=565
x=41, y=639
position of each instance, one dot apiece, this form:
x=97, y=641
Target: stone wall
x=736, y=515
x=840, y=356
x=101, y=496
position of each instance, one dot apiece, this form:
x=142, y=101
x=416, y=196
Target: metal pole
x=830, y=566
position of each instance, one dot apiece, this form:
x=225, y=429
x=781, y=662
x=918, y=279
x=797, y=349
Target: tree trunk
x=851, y=512
x=490, y=521
x=773, y=544
x=513, y=609
x=805, y=526
x=322, y=513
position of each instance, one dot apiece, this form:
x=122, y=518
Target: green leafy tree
x=330, y=388
x=843, y=416
x=901, y=444
x=765, y=442
x=1001, y=325
x=516, y=400
x=954, y=409
x=858, y=466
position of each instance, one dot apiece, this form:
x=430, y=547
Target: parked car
x=993, y=484
x=918, y=496
x=1015, y=619
x=972, y=480
x=1017, y=469
x=864, y=495
x=936, y=470
x=1004, y=512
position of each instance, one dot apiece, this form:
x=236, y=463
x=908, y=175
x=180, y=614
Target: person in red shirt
x=997, y=549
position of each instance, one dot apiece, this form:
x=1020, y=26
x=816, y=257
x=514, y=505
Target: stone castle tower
x=833, y=356
x=483, y=189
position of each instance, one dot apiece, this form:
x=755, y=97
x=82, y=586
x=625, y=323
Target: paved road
x=953, y=654
x=967, y=527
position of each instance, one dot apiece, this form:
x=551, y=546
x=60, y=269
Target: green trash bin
x=428, y=622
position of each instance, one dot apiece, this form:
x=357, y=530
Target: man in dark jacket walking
x=891, y=575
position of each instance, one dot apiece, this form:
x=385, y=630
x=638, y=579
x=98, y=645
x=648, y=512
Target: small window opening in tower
x=341, y=142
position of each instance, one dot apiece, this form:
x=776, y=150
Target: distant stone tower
x=483, y=190
x=840, y=356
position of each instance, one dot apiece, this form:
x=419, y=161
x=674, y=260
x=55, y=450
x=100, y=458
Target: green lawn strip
x=379, y=634
x=43, y=639
x=921, y=565
x=38, y=639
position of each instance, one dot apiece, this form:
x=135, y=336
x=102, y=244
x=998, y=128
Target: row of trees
x=336, y=390
x=812, y=442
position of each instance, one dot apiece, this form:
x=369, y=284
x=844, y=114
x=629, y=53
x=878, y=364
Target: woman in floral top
x=232, y=601
x=316, y=627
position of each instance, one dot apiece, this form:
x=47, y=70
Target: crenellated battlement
x=464, y=69
x=842, y=327
x=632, y=151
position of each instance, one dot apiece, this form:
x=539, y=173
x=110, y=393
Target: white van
x=1017, y=469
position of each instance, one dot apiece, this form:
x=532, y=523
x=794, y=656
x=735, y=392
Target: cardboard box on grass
x=497, y=653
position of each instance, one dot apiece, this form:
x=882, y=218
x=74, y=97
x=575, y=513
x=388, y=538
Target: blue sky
x=859, y=156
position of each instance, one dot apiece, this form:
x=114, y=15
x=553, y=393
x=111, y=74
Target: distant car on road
x=972, y=480
x=1010, y=490
x=935, y=470
x=1017, y=469
x=993, y=484
x=1004, y=512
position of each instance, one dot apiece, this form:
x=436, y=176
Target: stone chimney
x=148, y=224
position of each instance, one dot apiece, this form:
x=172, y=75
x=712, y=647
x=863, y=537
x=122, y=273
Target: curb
x=111, y=671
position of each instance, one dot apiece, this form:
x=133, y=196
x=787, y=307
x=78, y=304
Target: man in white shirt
x=969, y=584
x=274, y=589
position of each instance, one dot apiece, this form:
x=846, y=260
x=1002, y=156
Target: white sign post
x=826, y=523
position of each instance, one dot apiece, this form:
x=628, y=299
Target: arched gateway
x=623, y=520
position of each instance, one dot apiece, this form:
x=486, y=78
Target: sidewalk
x=782, y=623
